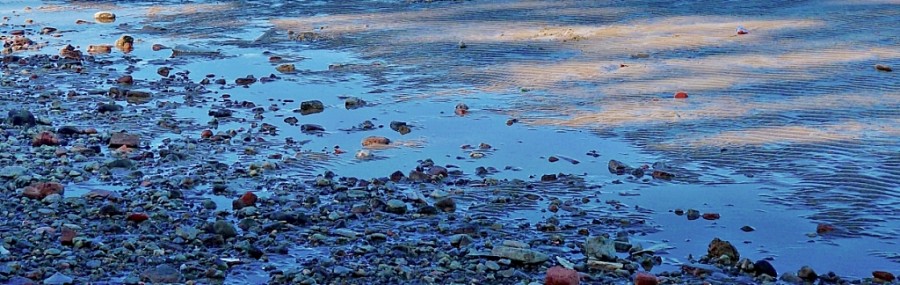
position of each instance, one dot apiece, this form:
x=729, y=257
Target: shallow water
x=778, y=173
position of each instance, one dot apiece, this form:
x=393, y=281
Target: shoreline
x=179, y=173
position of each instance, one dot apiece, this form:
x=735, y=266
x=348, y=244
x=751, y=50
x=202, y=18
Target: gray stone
x=20, y=118
x=162, y=273
x=59, y=279
x=519, y=254
x=460, y=240
x=187, y=232
x=600, y=248
x=395, y=206
x=225, y=229
x=12, y=171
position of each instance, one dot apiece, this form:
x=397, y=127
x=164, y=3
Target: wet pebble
x=312, y=128
x=558, y=275
x=311, y=107
x=225, y=229
x=643, y=278
x=884, y=276
x=59, y=279
x=692, y=214
x=124, y=139
x=375, y=141
x=721, y=249
x=807, y=274
x=400, y=127
x=354, y=103
x=286, y=68
x=105, y=17
x=764, y=267
x=395, y=206
x=600, y=248
x=161, y=274
x=524, y=255
x=20, y=117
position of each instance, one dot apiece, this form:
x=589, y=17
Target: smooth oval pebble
x=105, y=17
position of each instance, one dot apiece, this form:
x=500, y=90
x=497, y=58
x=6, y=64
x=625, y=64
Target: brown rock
x=286, y=68
x=125, y=43
x=126, y=139
x=127, y=80
x=807, y=274
x=206, y=134
x=642, y=278
x=718, y=248
x=69, y=52
x=43, y=189
x=558, y=275
x=163, y=71
x=711, y=216
x=659, y=174
x=824, y=229
x=376, y=141
x=45, y=138
x=67, y=237
x=94, y=49
x=883, y=275
x=446, y=204
x=137, y=97
x=137, y=217
x=882, y=67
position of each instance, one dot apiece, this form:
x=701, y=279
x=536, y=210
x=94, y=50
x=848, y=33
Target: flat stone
x=12, y=171
x=395, y=206
x=59, y=279
x=124, y=139
x=162, y=273
x=519, y=254
x=600, y=248
x=225, y=229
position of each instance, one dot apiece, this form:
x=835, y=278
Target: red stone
x=249, y=199
x=824, y=228
x=643, y=278
x=67, y=237
x=711, y=216
x=45, y=138
x=43, y=189
x=206, y=134
x=558, y=275
x=681, y=95
x=884, y=275
x=137, y=217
